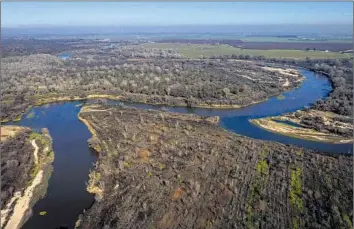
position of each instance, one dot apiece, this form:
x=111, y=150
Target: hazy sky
x=174, y=13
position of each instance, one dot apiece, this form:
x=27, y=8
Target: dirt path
x=35, y=153
x=23, y=202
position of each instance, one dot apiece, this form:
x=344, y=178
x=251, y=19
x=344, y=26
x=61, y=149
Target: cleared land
x=26, y=167
x=198, y=50
x=165, y=170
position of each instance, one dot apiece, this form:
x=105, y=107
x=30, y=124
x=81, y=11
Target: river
x=67, y=197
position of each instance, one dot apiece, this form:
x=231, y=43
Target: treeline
x=23, y=46
x=12, y=47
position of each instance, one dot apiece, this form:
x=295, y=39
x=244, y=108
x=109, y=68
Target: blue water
x=314, y=87
x=67, y=197
x=65, y=56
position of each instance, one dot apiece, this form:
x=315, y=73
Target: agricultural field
x=294, y=39
x=166, y=170
x=199, y=50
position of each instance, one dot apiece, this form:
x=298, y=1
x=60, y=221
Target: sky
x=15, y=14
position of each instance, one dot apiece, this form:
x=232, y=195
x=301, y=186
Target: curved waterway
x=67, y=197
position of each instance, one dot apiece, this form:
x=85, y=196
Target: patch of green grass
x=280, y=97
x=162, y=166
x=347, y=220
x=33, y=174
x=5, y=120
x=7, y=102
x=44, y=141
x=262, y=167
x=199, y=50
x=179, y=179
x=30, y=115
x=127, y=164
x=296, y=189
x=42, y=213
x=296, y=223
x=287, y=40
x=18, y=118
x=50, y=155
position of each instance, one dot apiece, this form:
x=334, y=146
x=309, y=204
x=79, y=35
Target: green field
x=284, y=39
x=198, y=50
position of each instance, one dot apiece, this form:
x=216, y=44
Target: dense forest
x=165, y=170
x=143, y=75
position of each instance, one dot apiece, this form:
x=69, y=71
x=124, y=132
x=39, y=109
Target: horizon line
x=172, y=25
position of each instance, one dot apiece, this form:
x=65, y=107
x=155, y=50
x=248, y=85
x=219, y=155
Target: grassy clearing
x=348, y=221
x=30, y=115
x=33, y=174
x=198, y=50
x=253, y=217
x=295, y=194
x=40, y=137
x=296, y=189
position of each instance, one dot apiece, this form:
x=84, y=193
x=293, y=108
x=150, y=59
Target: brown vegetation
x=34, y=79
x=197, y=175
